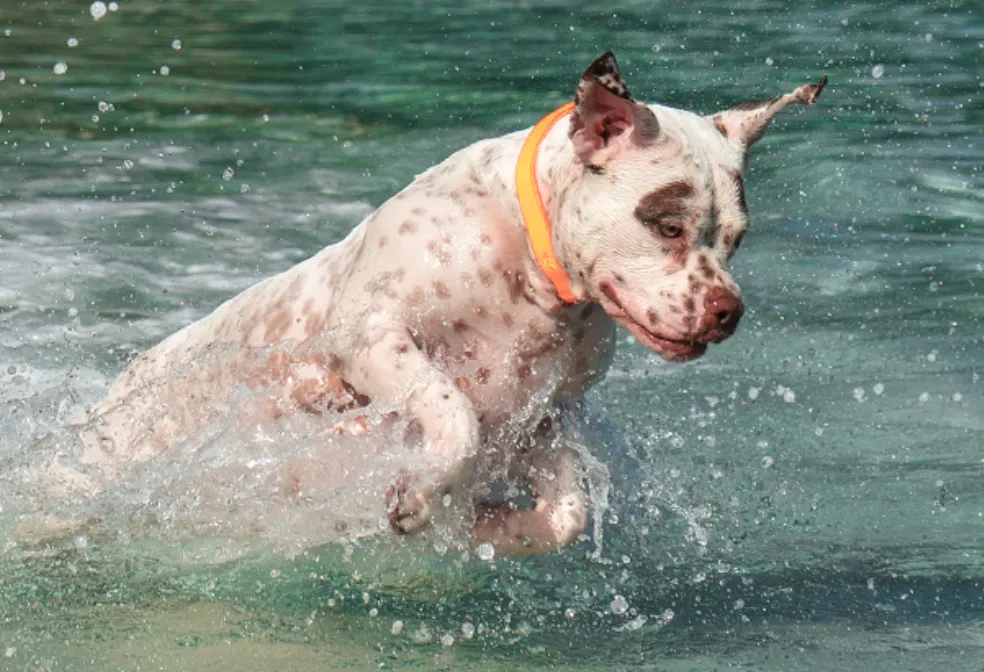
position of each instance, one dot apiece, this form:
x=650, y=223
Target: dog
x=489, y=285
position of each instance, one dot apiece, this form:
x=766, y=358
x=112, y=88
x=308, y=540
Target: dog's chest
x=507, y=360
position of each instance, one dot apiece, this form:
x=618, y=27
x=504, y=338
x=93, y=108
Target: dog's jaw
x=671, y=348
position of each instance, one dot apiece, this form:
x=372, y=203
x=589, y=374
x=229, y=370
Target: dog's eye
x=670, y=230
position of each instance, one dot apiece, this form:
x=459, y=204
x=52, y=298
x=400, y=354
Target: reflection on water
x=808, y=495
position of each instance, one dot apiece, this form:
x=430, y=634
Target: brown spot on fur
x=418, y=211
x=694, y=283
x=442, y=290
x=314, y=324
x=480, y=311
x=277, y=322
x=652, y=316
x=704, y=264
x=719, y=125
x=415, y=297
x=401, y=349
x=482, y=375
x=439, y=252
x=407, y=227
x=690, y=305
x=507, y=319
x=486, y=239
x=459, y=326
x=485, y=277
x=462, y=383
x=382, y=241
x=524, y=371
x=515, y=283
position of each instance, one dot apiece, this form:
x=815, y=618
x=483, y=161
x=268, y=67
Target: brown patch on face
x=666, y=205
x=437, y=349
x=401, y=349
x=415, y=297
x=418, y=211
x=482, y=375
x=507, y=319
x=485, y=277
x=406, y=227
x=704, y=264
x=462, y=383
x=690, y=305
x=524, y=371
x=719, y=125
x=694, y=283
x=485, y=239
x=383, y=241
x=652, y=316
x=442, y=290
x=459, y=326
x=480, y=312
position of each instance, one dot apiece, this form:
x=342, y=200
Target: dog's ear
x=606, y=120
x=745, y=124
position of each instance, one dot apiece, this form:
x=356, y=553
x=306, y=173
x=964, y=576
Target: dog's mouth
x=670, y=349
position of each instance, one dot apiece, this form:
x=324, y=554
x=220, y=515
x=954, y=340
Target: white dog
x=493, y=280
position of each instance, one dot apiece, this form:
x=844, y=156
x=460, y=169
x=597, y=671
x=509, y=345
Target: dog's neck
x=559, y=174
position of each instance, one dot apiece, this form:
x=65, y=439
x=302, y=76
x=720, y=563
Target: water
x=807, y=496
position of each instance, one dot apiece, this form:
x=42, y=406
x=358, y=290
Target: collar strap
x=531, y=205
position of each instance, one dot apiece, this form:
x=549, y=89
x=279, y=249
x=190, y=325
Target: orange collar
x=531, y=205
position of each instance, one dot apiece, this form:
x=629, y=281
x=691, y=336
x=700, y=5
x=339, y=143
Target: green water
x=807, y=496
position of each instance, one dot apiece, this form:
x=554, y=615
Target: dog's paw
x=407, y=505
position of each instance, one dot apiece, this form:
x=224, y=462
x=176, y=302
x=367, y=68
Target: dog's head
x=659, y=210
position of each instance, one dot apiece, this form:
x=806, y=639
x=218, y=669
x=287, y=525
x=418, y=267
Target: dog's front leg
x=558, y=517
x=393, y=371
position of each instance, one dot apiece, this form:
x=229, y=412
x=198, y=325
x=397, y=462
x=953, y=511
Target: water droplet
x=10, y=651
x=878, y=388
x=655, y=48
x=374, y=612
x=228, y=174
x=859, y=394
x=127, y=164
x=485, y=551
x=957, y=396
x=1, y=116
x=95, y=118
x=165, y=70
x=81, y=541
x=61, y=67
x=397, y=627
x=768, y=462
x=753, y=393
x=97, y=9
x=768, y=60
x=619, y=605
x=569, y=613
x=447, y=641
x=176, y=45
x=73, y=42
x=788, y=396
x=878, y=71
x=266, y=118
x=467, y=630
x=924, y=397
x=446, y=500
x=243, y=188
x=932, y=356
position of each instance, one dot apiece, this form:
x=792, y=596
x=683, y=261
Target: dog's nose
x=722, y=310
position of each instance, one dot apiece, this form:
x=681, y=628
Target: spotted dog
x=489, y=285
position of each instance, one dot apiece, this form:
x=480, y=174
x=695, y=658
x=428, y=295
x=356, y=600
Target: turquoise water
x=807, y=496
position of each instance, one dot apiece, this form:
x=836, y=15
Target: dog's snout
x=722, y=310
